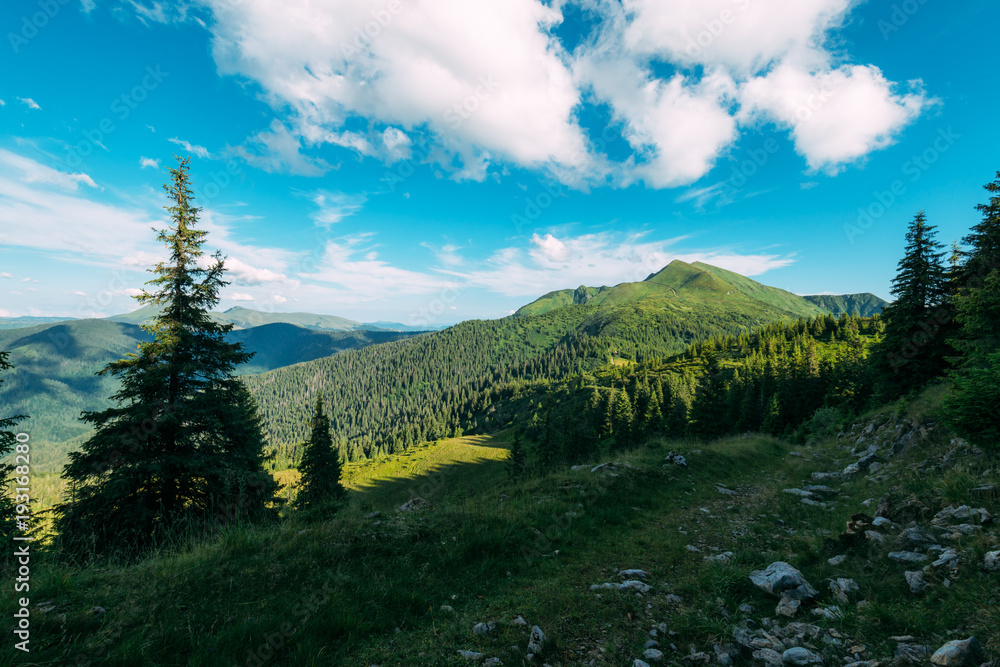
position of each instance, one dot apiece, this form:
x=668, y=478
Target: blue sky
x=427, y=161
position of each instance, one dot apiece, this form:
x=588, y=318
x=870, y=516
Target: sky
x=430, y=161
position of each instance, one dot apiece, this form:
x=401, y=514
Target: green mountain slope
x=681, y=287
x=28, y=321
x=55, y=364
x=865, y=304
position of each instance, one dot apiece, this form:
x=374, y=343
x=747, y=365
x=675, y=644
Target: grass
x=357, y=591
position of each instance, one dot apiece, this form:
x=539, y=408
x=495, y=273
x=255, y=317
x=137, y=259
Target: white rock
x=536, y=641
x=413, y=504
x=634, y=574
x=959, y=653
x=906, y=557
x=724, y=557
x=480, y=629
x=842, y=589
x=469, y=655
x=800, y=656
x=787, y=607
x=915, y=579
x=520, y=621
x=653, y=655
x=639, y=663
x=991, y=563
x=837, y=560
x=782, y=580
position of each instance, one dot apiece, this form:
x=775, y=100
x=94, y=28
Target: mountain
x=385, y=397
x=681, y=287
x=55, y=364
x=28, y=321
x=865, y=304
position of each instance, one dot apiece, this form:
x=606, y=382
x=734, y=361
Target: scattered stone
x=634, y=574
x=819, y=490
x=991, y=563
x=692, y=549
x=604, y=467
x=639, y=663
x=653, y=655
x=882, y=522
x=676, y=459
x=800, y=656
x=985, y=489
x=651, y=643
x=915, y=538
x=633, y=585
x=813, y=503
x=782, y=580
x=536, y=641
x=520, y=621
x=842, y=589
x=745, y=608
x=373, y=515
x=829, y=613
x=493, y=662
x=447, y=608
x=98, y=611
x=915, y=579
x=837, y=560
x=413, y=505
x=768, y=656
x=724, y=557
x=480, y=629
x=875, y=536
x=798, y=492
x=906, y=557
x=724, y=491
x=911, y=654
x=469, y=655
x=959, y=653
x=824, y=476
x=787, y=607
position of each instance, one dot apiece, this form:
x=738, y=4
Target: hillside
x=384, y=398
x=245, y=318
x=28, y=321
x=55, y=364
x=865, y=304
x=641, y=558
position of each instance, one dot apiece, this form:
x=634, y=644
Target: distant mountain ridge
x=865, y=304
x=246, y=318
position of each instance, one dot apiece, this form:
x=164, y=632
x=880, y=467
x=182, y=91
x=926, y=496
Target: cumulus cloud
x=148, y=162
x=835, y=116
x=31, y=104
x=240, y=296
x=470, y=86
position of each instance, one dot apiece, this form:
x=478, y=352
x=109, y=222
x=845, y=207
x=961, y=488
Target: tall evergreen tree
x=319, y=486
x=518, y=464
x=914, y=348
x=184, y=441
x=8, y=442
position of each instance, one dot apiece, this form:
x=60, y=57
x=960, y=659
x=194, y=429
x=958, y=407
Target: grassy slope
x=865, y=304
x=358, y=591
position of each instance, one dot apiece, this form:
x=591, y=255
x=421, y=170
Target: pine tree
x=320, y=487
x=8, y=442
x=184, y=442
x=623, y=421
x=518, y=464
x=914, y=349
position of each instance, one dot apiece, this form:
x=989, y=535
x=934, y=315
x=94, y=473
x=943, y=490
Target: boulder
x=653, y=655
x=413, y=505
x=768, y=656
x=787, y=607
x=906, y=557
x=842, y=589
x=469, y=655
x=915, y=538
x=911, y=654
x=991, y=563
x=782, y=580
x=915, y=580
x=959, y=653
x=676, y=459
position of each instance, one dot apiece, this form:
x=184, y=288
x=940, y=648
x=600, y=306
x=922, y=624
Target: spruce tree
x=518, y=459
x=8, y=442
x=914, y=349
x=183, y=442
x=320, y=487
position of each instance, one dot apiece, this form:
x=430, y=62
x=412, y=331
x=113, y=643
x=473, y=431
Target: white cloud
x=148, y=162
x=87, y=6
x=240, y=296
x=4, y=274
x=32, y=104
x=332, y=207
x=835, y=116
x=34, y=172
x=200, y=151
x=469, y=86
x=446, y=254
x=596, y=259
x=278, y=150
x=2, y=103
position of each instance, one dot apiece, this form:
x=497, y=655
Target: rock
x=693, y=549
x=480, y=629
x=837, y=560
x=536, y=641
x=798, y=492
x=413, y=505
x=842, y=589
x=639, y=663
x=469, y=655
x=824, y=476
x=960, y=515
x=782, y=580
x=634, y=574
x=916, y=538
x=651, y=643
x=373, y=515
x=604, y=467
x=991, y=563
x=959, y=653
x=677, y=459
x=915, y=579
x=948, y=557
x=819, y=490
x=745, y=608
x=493, y=662
x=520, y=621
x=814, y=503
x=98, y=611
x=882, y=522
x=724, y=557
x=787, y=607
x=724, y=491
x=829, y=613
x=800, y=656
x=653, y=655
x=768, y=656
x=633, y=585
x=447, y=608
x=911, y=654
x=906, y=557
x=875, y=536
